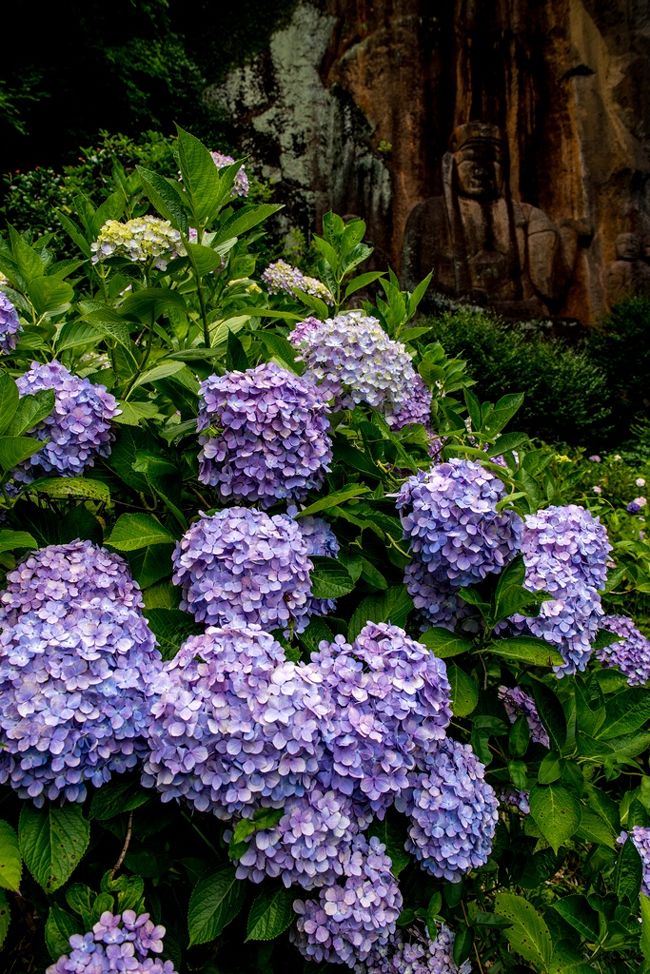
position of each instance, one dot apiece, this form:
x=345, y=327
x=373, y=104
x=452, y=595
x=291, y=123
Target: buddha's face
x=479, y=171
x=628, y=246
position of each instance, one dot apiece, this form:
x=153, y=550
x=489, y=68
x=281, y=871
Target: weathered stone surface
x=354, y=105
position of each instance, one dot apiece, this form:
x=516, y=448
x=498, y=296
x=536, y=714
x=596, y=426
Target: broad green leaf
x=5, y=917
x=52, y=841
x=8, y=401
x=624, y=715
x=76, y=334
x=329, y=578
x=59, y=927
x=49, y=296
x=236, y=358
x=10, y=858
x=15, y=449
x=529, y=935
x=502, y=413
x=464, y=691
x=116, y=797
x=334, y=500
x=579, y=915
x=203, y=258
x=133, y=531
x=133, y=413
x=74, y=233
x=245, y=219
x=393, y=605
x=444, y=643
x=628, y=873
x=166, y=196
x=594, y=829
x=556, y=812
x=214, y=903
x=151, y=302
x=162, y=371
x=59, y=487
x=552, y=715
x=644, y=903
x=171, y=627
x=30, y=411
x=526, y=649
x=270, y=915
x=10, y=540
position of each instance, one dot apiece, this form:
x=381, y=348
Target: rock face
x=356, y=104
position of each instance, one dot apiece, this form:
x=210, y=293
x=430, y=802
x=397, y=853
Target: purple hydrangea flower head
x=264, y=435
x=73, y=681
x=636, y=505
x=437, y=601
x=323, y=543
x=453, y=812
x=516, y=799
x=241, y=185
x=640, y=836
x=416, y=409
x=125, y=942
x=565, y=553
x=67, y=573
x=281, y=276
x=247, y=566
x=450, y=519
x=517, y=703
x=310, y=845
x=350, y=919
x=354, y=361
x=233, y=724
x=631, y=653
x=390, y=702
x=9, y=325
x=79, y=427
x=419, y=955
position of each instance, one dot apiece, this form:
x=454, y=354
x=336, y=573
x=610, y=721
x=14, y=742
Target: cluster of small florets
x=640, y=836
x=349, y=920
x=78, y=429
x=145, y=239
x=76, y=657
x=417, y=956
x=513, y=798
x=565, y=552
x=281, y=276
x=450, y=519
x=437, y=601
x=125, y=942
x=354, y=361
x=631, y=653
x=9, y=325
x=637, y=505
x=519, y=703
x=453, y=812
x=242, y=565
x=241, y=185
x=264, y=435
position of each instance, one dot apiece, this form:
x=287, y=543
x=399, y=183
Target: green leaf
x=203, y=258
x=236, y=358
x=270, y=915
x=464, y=691
x=10, y=858
x=59, y=927
x=15, y=449
x=171, y=627
x=132, y=413
x=59, y=487
x=594, y=829
x=162, y=371
x=8, y=401
x=393, y=605
x=363, y=280
x=117, y=797
x=30, y=411
x=245, y=219
x=525, y=649
x=208, y=187
x=556, y=812
x=166, y=196
x=133, y=531
x=5, y=918
x=49, y=296
x=625, y=713
x=628, y=873
x=10, y=540
x=551, y=713
x=579, y=915
x=152, y=302
x=334, y=500
x=445, y=643
x=53, y=842
x=644, y=903
x=329, y=578
x=214, y=903
x=502, y=413
x=529, y=935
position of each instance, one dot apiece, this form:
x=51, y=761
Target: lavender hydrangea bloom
x=416, y=409
x=565, y=553
x=246, y=566
x=321, y=542
x=438, y=602
x=631, y=654
x=79, y=427
x=9, y=325
x=390, y=702
x=517, y=702
x=640, y=836
x=124, y=942
x=241, y=184
x=453, y=812
x=513, y=798
x=264, y=435
x=281, y=276
x=353, y=360
x=73, y=679
x=309, y=846
x=66, y=573
x=450, y=519
x=232, y=724
x=348, y=921
x=419, y=956
x=636, y=505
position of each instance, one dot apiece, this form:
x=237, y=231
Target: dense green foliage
x=558, y=893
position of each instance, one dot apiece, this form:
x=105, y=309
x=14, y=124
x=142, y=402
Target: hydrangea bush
x=306, y=662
